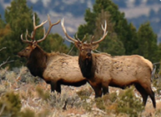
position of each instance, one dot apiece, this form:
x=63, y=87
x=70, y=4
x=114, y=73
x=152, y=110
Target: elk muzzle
x=88, y=55
x=19, y=54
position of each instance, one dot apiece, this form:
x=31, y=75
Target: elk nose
x=88, y=54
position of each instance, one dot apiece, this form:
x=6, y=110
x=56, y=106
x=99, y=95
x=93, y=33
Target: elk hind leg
x=149, y=91
x=142, y=92
x=152, y=96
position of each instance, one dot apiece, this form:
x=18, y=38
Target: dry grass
x=37, y=100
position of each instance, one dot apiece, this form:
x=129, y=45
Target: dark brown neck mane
x=87, y=67
x=37, y=62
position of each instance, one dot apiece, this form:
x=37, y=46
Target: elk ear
x=94, y=47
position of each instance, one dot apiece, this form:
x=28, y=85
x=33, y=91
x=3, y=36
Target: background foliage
x=122, y=39
x=18, y=18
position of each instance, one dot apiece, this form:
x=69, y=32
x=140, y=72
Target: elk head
x=32, y=44
x=86, y=58
x=85, y=48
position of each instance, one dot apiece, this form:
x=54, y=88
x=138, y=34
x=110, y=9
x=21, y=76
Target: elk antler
x=34, y=31
x=103, y=37
x=64, y=30
x=78, y=41
x=50, y=26
x=35, y=28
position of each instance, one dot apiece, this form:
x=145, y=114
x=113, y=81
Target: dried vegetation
x=22, y=95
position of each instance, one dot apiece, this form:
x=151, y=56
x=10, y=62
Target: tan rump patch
x=148, y=62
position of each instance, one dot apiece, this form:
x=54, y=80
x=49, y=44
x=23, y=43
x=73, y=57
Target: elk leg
x=52, y=86
x=97, y=90
x=151, y=94
x=55, y=86
x=148, y=90
x=58, y=88
x=142, y=92
x=105, y=90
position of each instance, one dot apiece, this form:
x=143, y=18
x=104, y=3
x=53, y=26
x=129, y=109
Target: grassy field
x=22, y=95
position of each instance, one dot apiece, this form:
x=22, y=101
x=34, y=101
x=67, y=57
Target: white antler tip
x=62, y=21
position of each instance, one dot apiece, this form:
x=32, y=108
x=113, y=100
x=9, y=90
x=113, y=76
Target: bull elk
x=54, y=68
x=103, y=70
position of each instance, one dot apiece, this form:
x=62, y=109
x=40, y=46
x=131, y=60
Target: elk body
x=103, y=70
x=54, y=68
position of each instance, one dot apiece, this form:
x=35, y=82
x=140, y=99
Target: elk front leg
x=52, y=86
x=55, y=86
x=97, y=89
x=105, y=90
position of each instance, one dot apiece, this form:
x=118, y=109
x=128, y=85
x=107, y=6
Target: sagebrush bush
x=27, y=113
x=158, y=113
x=128, y=103
x=10, y=105
x=45, y=95
x=107, y=102
x=84, y=94
x=100, y=103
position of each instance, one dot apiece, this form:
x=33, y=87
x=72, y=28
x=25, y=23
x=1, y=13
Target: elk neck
x=37, y=62
x=87, y=66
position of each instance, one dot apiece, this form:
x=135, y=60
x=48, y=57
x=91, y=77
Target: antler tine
x=36, y=27
x=84, y=38
x=104, y=34
x=92, y=39
x=27, y=35
x=78, y=38
x=50, y=26
x=26, y=41
x=64, y=30
x=104, y=28
x=65, y=38
x=33, y=32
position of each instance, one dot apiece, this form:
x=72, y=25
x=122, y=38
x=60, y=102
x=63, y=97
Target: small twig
x=2, y=48
x=2, y=109
x=7, y=61
x=65, y=105
x=71, y=49
x=156, y=63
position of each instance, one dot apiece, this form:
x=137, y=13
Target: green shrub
x=107, y=102
x=129, y=103
x=100, y=103
x=10, y=105
x=44, y=95
x=84, y=94
x=27, y=113
x=158, y=113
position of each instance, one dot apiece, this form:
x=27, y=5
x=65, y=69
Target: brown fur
x=54, y=68
x=122, y=71
x=102, y=70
